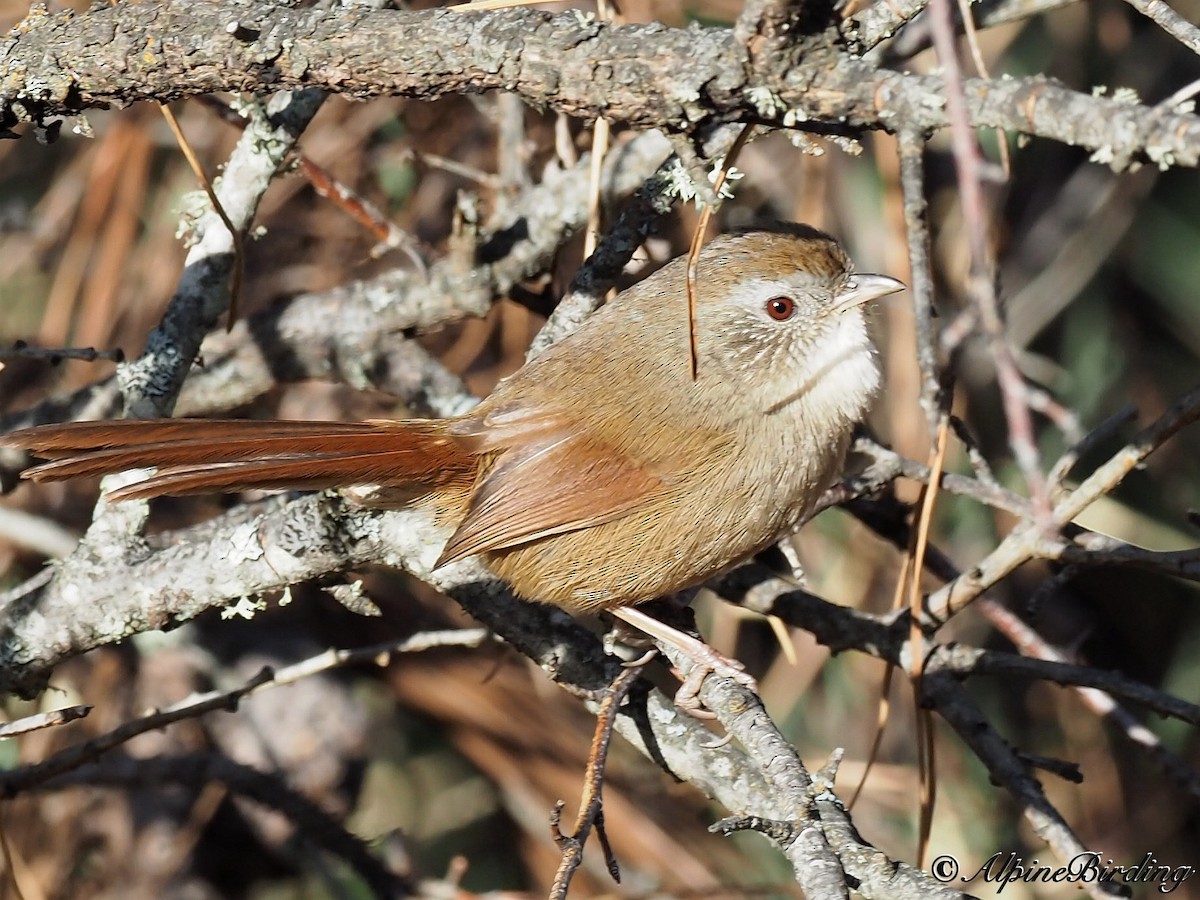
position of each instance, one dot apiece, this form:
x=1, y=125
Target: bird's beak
x=860, y=289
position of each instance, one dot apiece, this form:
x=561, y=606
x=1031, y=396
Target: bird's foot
x=705, y=660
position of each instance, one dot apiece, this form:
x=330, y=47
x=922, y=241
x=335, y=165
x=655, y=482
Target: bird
x=604, y=473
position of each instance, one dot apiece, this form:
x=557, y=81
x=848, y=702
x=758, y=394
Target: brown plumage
x=601, y=474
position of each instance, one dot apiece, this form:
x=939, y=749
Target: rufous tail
x=198, y=456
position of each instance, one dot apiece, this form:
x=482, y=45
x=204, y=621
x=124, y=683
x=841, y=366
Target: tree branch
x=64, y=64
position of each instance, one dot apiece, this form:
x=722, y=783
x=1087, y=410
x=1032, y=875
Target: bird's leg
x=704, y=658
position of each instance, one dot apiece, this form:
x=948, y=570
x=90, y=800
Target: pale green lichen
x=1163, y=157
x=678, y=182
x=246, y=608
x=848, y=145
x=244, y=107
x=766, y=102
x=793, y=117
x=193, y=206
x=1126, y=96
x=726, y=191
x=806, y=144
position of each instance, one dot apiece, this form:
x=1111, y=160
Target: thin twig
x=17, y=780
x=453, y=166
x=983, y=471
x=388, y=233
x=590, y=803
x=600, y=137
x=55, y=355
x=38, y=533
x=1169, y=21
x=1007, y=768
x=969, y=165
x=912, y=183
x=1063, y=418
x=925, y=746
x=885, y=687
x=1098, y=694
x=972, y=35
x=600, y=270
x=235, y=234
x=43, y=720
x=698, y=237
x=888, y=464
x=1102, y=432
x=1027, y=540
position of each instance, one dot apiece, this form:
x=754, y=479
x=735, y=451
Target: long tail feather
x=212, y=456
x=56, y=441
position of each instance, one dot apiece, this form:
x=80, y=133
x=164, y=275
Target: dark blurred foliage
x=457, y=756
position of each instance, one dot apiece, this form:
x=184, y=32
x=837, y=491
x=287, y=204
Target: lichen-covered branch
x=648, y=76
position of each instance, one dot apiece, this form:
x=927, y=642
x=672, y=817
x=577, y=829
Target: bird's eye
x=781, y=308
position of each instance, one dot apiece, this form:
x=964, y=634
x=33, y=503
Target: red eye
x=781, y=308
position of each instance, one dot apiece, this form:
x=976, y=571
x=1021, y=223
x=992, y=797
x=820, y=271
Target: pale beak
x=860, y=289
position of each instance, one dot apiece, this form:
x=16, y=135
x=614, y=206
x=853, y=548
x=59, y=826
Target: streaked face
x=778, y=312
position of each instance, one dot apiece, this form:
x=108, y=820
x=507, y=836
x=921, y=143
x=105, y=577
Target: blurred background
x=450, y=762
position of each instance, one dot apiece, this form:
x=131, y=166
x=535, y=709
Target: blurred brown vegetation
x=462, y=753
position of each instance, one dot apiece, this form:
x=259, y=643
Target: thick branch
x=645, y=75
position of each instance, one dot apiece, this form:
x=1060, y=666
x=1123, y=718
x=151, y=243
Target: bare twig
x=55, y=355
x=700, y=235
x=43, y=720
x=983, y=471
x=1169, y=21
x=912, y=181
x=888, y=465
x=970, y=165
x=1028, y=540
x=17, y=781
x=151, y=383
x=1096, y=690
x=590, y=804
x=1009, y=770
x=235, y=234
x=925, y=746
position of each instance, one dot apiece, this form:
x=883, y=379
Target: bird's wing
x=557, y=483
